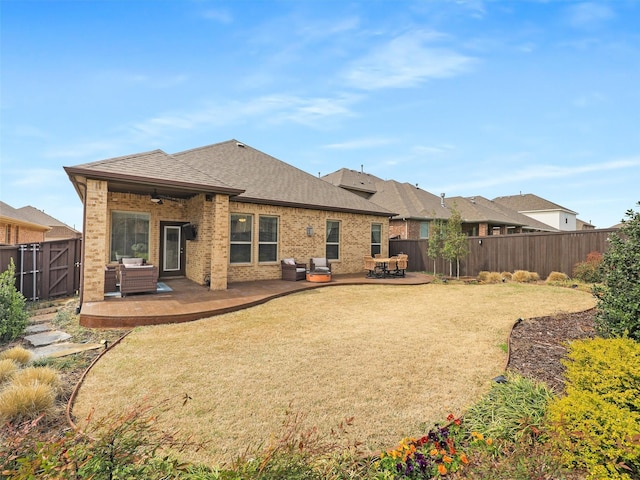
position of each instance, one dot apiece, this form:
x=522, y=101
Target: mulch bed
x=538, y=345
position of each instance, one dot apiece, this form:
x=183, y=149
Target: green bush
x=589, y=271
x=512, y=411
x=618, y=308
x=13, y=314
x=597, y=423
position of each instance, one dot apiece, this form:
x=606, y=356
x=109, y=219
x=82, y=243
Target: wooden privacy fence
x=45, y=270
x=542, y=253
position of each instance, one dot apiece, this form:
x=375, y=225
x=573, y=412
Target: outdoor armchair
x=138, y=279
x=293, y=271
x=319, y=265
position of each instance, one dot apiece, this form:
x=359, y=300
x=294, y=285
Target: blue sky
x=468, y=98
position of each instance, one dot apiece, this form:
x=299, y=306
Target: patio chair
x=293, y=271
x=138, y=278
x=392, y=267
x=370, y=266
x=320, y=264
x=402, y=264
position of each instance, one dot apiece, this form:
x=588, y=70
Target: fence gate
x=45, y=270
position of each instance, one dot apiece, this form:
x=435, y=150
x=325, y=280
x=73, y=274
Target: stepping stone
x=46, y=338
x=63, y=349
x=39, y=327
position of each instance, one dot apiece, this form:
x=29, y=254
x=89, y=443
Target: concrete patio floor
x=189, y=301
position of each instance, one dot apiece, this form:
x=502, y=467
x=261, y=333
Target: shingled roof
x=353, y=180
x=528, y=202
x=232, y=168
x=409, y=201
x=265, y=179
x=12, y=215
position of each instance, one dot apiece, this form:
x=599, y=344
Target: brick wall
x=96, y=246
x=355, y=239
x=12, y=234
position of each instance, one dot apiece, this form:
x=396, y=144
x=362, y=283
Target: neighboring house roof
x=409, y=201
x=230, y=167
x=353, y=180
x=528, y=202
x=8, y=214
x=58, y=228
x=487, y=210
x=582, y=225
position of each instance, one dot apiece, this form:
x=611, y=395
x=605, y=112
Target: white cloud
x=361, y=143
x=221, y=16
x=406, y=61
x=589, y=14
x=539, y=172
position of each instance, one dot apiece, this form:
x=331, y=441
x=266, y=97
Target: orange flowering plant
x=434, y=455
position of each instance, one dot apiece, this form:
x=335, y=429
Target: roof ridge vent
x=241, y=145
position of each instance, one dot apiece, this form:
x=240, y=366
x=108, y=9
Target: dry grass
x=396, y=358
x=43, y=375
x=18, y=354
x=8, y=368
x=24, y=402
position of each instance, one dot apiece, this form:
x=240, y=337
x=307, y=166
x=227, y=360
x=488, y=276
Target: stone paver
x=39, y=327
x=46, y=338
x=56, y=350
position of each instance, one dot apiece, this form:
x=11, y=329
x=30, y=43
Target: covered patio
x=188, y=301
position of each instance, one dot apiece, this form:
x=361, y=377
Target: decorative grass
x=18, y=354
x=395, y=358
x=8, y=368
x=23, y=402
x=43, y=375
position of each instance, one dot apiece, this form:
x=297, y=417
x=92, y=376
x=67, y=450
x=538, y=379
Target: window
x=129, y=235
x=376, y=238
x=424, y=229
x=268, y=239
x=333, y=240
x=241, y=238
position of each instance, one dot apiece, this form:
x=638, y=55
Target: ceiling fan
x=157, y=198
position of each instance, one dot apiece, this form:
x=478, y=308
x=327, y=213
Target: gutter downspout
x=84, y=232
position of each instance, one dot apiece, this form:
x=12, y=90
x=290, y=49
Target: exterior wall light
x=309, y=231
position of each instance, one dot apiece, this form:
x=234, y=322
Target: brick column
x=220, y=243
x=95, y=241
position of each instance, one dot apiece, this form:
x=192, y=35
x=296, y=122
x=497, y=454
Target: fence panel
x=542, y=253
x=45, y=270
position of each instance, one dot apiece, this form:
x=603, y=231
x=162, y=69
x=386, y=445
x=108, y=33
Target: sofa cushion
x=319, y=262
x=131, y=261
x=289, y=261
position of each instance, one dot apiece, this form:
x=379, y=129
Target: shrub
x=18, y=354
x=521, y=276
x=495, y=277
x=483, y=276
x=589, y=271
x=13, y=314
x=534, y=277
x=43, y=375
x=7, y=369
x=18, y=402
x=618, y=307
x=598, y=422
x=507, y=275
x=512, y=411
x=557, y=277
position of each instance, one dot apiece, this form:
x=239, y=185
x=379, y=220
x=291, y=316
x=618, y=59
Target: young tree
x=618, y=309
x=13, y=313
x=436, y=240
x=455, y=245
